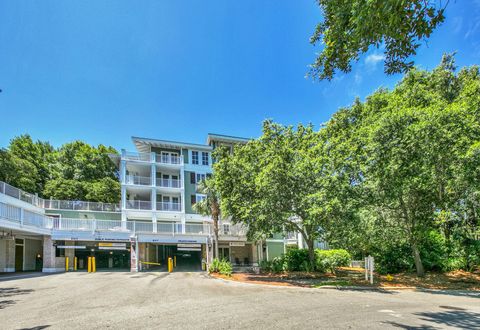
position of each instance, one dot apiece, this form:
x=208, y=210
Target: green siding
x=274, y=249
x=189, y=191
x=86, y=215
x=185, y=156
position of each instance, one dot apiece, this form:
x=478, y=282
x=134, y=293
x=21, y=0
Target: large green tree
x=282, y=182
x=351, y=27
x=415, y=152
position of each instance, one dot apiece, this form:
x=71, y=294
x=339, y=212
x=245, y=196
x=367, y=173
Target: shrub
x=276, y=265
x=328, y=260
x=223, y=267
x=296, y=260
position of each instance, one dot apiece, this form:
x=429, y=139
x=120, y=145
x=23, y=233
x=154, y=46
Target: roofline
x=137, y=139
x=212, y=136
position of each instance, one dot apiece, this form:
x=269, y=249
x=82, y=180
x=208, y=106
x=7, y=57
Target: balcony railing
x=169, y=206
x=139, y=205
x=138, y=180
x=138, y=156
x=80, y=206
x=52, y=204
x=233, y=230
x=169, y=183
x=168, y=159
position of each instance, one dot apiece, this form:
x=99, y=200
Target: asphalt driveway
x=195, y=301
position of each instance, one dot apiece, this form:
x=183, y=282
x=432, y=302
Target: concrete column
x=48, y=255
x=123, y=170
x=7, y=255
x=154, y=221
x=70, y=253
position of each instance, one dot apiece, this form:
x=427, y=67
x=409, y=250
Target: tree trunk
x=418, y=260
x=215, y=232
x=311, y=253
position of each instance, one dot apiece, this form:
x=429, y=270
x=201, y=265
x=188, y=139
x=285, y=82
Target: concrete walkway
x=195, y=301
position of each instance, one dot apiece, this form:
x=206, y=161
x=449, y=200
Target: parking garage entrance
x=188, y=257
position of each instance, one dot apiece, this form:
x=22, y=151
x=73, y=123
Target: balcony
x=138, y=180
x=168, y=159
x=169, y=206
x=137, y=156
x=139, y=205
x=169, y=183
x=51, y=204
x=233, y=230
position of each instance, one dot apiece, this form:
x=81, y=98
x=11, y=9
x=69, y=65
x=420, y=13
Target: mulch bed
x=347, y=276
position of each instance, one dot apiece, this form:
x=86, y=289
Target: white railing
x=80, y=206
x=52, y=204
x=233, y=230
x=109, y=225
x=169, y=183
x=14, y=192
x=143, y=227
x=138, y=156
x=168, y=159
x=138, y=180
x=169, y=206
x=197, y=229
x=139, y=205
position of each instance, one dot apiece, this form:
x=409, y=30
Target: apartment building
x=155, y=219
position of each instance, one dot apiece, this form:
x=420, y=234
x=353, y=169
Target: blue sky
x=103, y=71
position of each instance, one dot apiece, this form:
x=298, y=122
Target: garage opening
x=188, y=256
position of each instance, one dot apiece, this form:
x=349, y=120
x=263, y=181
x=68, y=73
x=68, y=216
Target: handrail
x=53, y=204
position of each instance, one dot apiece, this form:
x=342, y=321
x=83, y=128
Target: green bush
x=223, y=267
x=276, y=265
x=296, y=260
x=328, y=260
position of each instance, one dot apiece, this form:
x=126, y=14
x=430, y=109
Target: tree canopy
x=351, y=28
x=75, y=171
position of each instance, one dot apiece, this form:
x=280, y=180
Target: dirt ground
x=347, y=276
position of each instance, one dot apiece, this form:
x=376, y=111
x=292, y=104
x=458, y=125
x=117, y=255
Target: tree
x=210, y=206
x=282, y=182
x=105, y=190
x=65, y=189
x=351, y=28
x=414, y=149
x=18, y=172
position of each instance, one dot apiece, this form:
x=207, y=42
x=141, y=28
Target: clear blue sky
x=102, y=71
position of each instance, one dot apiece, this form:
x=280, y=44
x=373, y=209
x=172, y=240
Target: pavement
x=193, y=300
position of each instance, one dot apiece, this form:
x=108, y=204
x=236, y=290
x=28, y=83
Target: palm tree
x=210, y=206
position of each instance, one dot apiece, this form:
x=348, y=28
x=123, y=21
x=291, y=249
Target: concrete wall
x=7, y=255
x=32, y=247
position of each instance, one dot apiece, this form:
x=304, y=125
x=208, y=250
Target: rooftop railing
x=138, y=156
x=52, y=204
x=168, y=159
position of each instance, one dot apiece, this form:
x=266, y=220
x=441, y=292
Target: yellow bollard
x=174, y=261
x=66, y=264
x=94, y=265
x=75, y=263
x=89, y=269
x=170, y=265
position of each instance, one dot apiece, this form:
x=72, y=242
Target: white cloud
x=373, y=59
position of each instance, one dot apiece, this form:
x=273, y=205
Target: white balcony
x=139, y=205
x=168, y=159
x=137, y=156
x=169, y=206
x=138, y=180
x=169, y=183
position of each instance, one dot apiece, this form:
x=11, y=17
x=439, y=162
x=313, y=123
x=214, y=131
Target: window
x=193, y=199
x=192, y=178
x=200, y=198
x=226, y=228
x=195, y=157
x=200, y=177
x=204, y=158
